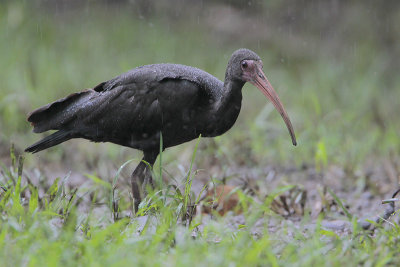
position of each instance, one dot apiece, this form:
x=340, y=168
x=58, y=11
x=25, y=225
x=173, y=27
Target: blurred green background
x=335, y=65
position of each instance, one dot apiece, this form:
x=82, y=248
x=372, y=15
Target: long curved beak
x=262, y=83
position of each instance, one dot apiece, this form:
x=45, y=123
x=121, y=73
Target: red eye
x=244, y=64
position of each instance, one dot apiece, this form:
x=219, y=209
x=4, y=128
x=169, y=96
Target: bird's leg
x=141, y=176
x=137, y=179
x=150, y=158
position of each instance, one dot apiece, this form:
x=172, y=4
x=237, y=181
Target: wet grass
x=343, y=106
x=46, y=224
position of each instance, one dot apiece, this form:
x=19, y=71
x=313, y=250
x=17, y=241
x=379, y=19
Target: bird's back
x=163, y=71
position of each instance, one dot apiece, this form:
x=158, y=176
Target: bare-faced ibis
x=136, y=108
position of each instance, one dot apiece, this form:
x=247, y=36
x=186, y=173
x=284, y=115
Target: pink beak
x=262, y=83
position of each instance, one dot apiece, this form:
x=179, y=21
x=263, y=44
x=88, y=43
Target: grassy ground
x=339, y=85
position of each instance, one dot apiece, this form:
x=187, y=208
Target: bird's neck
x=231, y=95
x=227, y=106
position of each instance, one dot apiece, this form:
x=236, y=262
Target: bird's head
x=246, y=66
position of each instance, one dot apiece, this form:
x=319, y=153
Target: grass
x=341, y=97
x=45, y=225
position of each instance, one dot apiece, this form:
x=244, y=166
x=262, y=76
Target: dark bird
x=137, y=108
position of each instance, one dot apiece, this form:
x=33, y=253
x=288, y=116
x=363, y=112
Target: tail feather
x=49, y=141
x=54, y=115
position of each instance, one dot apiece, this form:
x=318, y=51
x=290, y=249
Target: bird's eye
x=244, y=64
